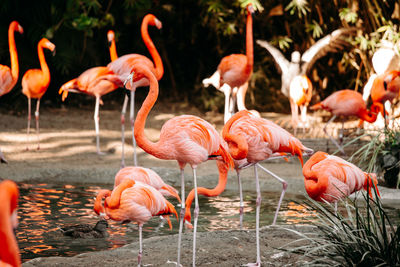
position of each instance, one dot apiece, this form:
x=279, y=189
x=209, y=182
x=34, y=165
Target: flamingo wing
x=283, y=63
x=6, y=80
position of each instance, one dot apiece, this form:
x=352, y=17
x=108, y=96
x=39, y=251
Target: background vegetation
x=196, y=34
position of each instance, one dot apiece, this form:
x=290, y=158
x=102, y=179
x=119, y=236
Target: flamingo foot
x=173, y=262
x=256, y=264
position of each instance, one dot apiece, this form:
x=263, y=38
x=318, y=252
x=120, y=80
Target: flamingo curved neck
x=43, y=65
x=152, y=49
x=369, y=116
x=113, y=51
x=13, y=54
x=238, y=147
x=98, y=207
x=114, y=200
x=249, y=43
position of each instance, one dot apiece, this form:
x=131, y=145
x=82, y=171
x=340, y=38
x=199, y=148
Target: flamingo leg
x=196, y=214
x=37, y=122
x=303, y=111
x=132, y=118
x=123, y=112
x=182, y=215
x=241, y=96
x=96, y=125
x=284, y=187
x=330, y=137
x=241, y=206
x=140, y=246
x=29, y=123
x=227, y=92
x=295, y=115
x=232, y=102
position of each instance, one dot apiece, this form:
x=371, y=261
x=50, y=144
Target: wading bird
x=35, y=83
x=346, y=103
x=186, y=139
x=9, y=251
x=251, y=140
x=234, y=72
x=133, y=201
x=123, y=67
x=330, y=178
x=301, y=65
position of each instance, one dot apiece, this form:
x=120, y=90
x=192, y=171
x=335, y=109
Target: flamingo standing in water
x=97, y=81
x=123, y=67
x=9, y=252
x=133, y=201
x=330, y=178
x=251, y=140
x=35, y=83
x=186, y=139
x=346, y=103
x=9, y=77
x=234, y=72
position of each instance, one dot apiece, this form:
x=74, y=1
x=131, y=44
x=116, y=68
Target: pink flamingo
x=123, y=67
x=330, y=178
x=186, y=139
x=251, y=140
x=346, y=103
x=133, y=201
x=35, y=83
x=9, y=251
x=234, y=72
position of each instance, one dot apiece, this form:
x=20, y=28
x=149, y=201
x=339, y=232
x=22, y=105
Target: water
x=43, y=208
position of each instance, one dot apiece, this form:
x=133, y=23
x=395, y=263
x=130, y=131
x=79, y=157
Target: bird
x=250, y=140
x=35, y=83
x=328, y=178
x=187, y=139
x=96, y=81
x=234, y=72
x=134, y=201
x=300, y=65
x=123, y=66
x=9, y=251
x=346, y=103
x=300, y=97
x=86, y=231
x=146, y=176
x=111, y=45
x=9, y=77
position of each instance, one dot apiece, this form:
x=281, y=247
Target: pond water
x=43, y=208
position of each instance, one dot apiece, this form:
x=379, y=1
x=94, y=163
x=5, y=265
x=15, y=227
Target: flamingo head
x=250, y=9
x=98, y=207
x=391, y=81
x=17, y=27
x=154, y=21
x=110, y=36
x=45, y=43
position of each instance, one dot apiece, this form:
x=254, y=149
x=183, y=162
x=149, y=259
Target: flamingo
x=123, y=66
x=300, y=95
x=330, y=178
x=301, y=65
x=134, y=201
x=251, y=140
x=234, y=72
x=9, y=251
x=186, y=139
x=111, y=44
x=346, y=103
x=35, y=83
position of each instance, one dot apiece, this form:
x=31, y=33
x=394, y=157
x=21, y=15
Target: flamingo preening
x=234, y=72
x=123, y=67
x=251, y=140
x=186, y=139
x=133, y=201
x=9, y=251
x=301, y=65
x=35, y=83
x=346, y=103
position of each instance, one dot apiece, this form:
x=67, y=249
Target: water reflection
x=44, y=208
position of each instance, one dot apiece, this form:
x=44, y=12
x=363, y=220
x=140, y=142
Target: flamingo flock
x=246, y=140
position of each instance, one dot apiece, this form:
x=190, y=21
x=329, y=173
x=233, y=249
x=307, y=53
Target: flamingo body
x=9, y=252
x=234, y=71
x=330, y=178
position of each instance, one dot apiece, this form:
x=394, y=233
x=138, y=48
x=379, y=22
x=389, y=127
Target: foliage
x=362, y=236
x=381, y=154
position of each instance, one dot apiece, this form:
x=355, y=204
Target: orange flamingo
x=111, y=45
x=146, y=176
x=35, y=83
x=234, y=72
x=9, y=77
x=134, y=201
x=300, y=95
x=251, y=140
x=330, y=178
x=9, y=252
x=346, y=103
x=186, y=139
x=123, y=67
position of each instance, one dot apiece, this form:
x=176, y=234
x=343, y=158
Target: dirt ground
x=68, y=155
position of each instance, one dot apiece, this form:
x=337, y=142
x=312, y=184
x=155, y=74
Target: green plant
x=381, y=155
x=362, y=236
